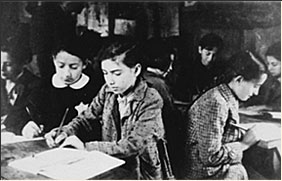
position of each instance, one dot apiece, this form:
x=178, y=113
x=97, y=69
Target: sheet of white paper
x=266, y=131
x=275, y=115
x=8, y=137
x=250, y=112
x=65, y=163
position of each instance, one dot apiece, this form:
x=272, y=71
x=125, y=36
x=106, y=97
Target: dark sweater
x=27, y=87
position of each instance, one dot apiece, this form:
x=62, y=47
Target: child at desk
x=130, y=113
x=214, y=147
x=69, y=88
x=269, y=97
x=18, y=88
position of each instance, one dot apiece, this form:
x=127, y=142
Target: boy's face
x=207, y=56
x=118, y=76
x=247, y=89
x=9, y=70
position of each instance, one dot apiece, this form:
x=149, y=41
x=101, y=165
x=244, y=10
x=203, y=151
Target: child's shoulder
x=152, y=95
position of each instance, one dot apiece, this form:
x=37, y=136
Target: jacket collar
x=58, y=83
x=227, y=93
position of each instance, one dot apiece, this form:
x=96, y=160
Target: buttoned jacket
x=141, y=127
x=212, y=143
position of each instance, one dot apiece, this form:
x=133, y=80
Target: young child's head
x=121, y=64
x=69, y=61
x=246, y=73
x=273, y=59
x=11, y=64
x=209, y=46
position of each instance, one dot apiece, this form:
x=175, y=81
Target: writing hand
x=52, y=140
x=251, y=137
x=31, y=130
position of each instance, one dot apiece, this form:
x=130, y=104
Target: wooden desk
x=266, y=162
x=10, y=152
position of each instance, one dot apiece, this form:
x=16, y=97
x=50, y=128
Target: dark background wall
x=242, y=25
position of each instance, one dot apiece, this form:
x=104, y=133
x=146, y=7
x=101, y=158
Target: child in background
x=269, y=97
x=18, y=88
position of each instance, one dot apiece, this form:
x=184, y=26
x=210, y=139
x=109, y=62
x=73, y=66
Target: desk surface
x=10, y=152
x=267, y=162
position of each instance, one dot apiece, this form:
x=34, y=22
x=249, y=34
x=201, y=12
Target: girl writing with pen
x=70, y=88
x=214, y=146
x=129, y=110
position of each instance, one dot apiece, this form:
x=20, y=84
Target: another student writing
x=214, y=147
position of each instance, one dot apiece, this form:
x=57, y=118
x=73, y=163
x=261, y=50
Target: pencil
x=238, y=126
x=62, y=122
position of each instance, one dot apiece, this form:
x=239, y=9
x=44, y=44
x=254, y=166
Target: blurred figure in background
x=18, y=87
x=204, y=68
x=269, y=97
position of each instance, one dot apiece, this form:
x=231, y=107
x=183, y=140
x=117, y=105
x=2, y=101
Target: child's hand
x=31, y=130
x=251, y=137
x=52, y=140
x=73, y=141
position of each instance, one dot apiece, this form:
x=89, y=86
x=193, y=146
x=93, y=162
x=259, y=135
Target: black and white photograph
x=140, y=90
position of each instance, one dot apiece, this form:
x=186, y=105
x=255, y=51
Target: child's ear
x=85, y=64
x=138, y=68
x=54, y=59
x=199, y=49
x=238, y=79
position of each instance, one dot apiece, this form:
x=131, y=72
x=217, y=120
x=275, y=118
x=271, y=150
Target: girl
x=214, y=147
x=269, y=97
x=130, y=113
x=69, y=89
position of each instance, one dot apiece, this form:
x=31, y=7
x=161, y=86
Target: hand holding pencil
x=250, y=137
x=56, y=136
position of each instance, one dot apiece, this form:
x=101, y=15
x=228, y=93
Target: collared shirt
x=10, y=88
x=58, y=83
x=12, y=95
x=124, y=103
x=212, y=144
x=141, y=129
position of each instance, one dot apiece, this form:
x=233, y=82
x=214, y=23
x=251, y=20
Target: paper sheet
x=8, y=137
x=266, y=131
x=65, y=163
x=261, y=113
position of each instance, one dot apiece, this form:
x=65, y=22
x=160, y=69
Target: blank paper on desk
x=64, y=163
x=269, y=133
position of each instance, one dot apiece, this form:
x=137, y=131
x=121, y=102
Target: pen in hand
x=62, y=122
x=238, y=126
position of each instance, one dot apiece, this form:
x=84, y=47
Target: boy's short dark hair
x=249, y=65
x=210, y=41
